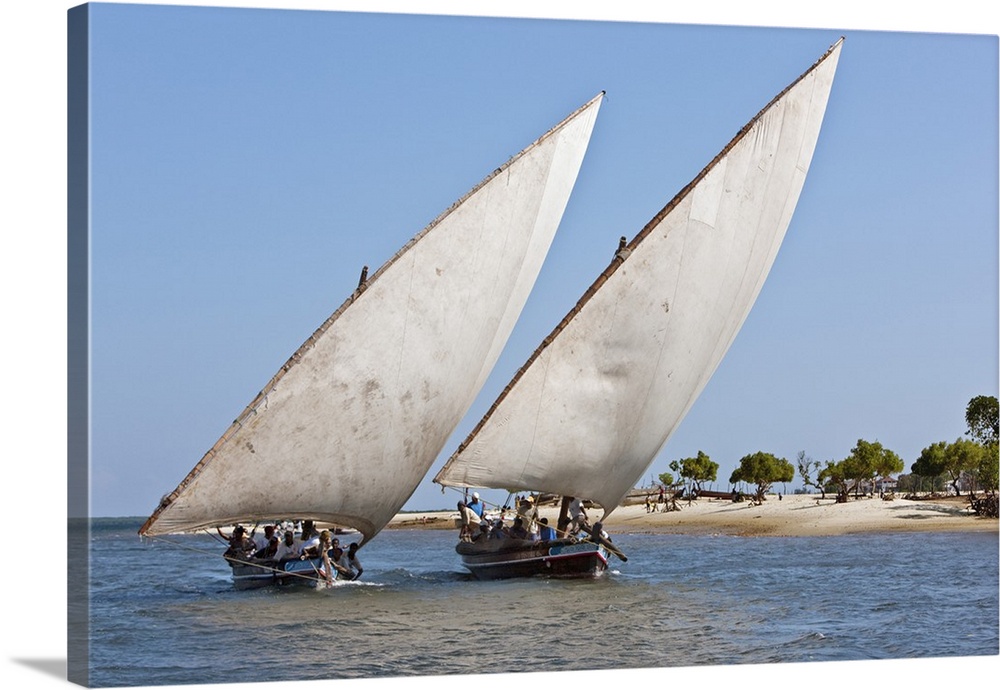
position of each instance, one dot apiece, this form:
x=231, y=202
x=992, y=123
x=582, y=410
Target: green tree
x=762, y=469
x=873, y=460
x=837, y=476
x=930, y=466
x=962, y=456
x=867, y=461
x=931, y=462
x=666, y=479
x=988, y=470
x=697, y=470
x=806, y=467
x=952, y=459
x=982, y=414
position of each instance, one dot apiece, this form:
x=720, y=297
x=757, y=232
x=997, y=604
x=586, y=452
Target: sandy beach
x=794, y=515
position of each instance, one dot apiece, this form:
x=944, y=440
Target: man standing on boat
x=471, y=512
x=577, y=516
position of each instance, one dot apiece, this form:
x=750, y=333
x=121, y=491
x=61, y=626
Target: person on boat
x=289, y=548
x=339, y=561
x=353, y=562
x=499, y=530
x=546, y=533
x=310, y=537
x=518, y=531
x=484, y=532
x=529, y=514
x=240, y=545
x=270, y=549
x=577, y=516
x=471, y=512
x=262, y=540
x=328, y=567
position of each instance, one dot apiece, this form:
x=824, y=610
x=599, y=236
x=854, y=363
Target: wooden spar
x=597, y=537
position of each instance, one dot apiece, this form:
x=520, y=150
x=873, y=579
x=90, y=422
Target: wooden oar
x=595, y=534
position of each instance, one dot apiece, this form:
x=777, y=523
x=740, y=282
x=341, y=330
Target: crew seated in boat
x=353, y=562
x=261, y=541
x=289, y=548
x=483, y=534
x=340, y=562
x=310, y=538
x=268, y=552
x=499, y=530
x=517, y=530
x=546, y=533
x=241, y=547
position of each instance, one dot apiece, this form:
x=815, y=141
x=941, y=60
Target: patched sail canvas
x=596, y=402
x=351, y=423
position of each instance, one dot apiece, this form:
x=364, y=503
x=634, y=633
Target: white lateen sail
x=349, y=426
x=595, y=403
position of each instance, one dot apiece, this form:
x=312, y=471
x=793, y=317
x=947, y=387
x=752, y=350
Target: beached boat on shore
x=588, y=412
x=352, y=422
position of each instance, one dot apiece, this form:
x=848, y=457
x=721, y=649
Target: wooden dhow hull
x=301, y=573
x=510, y=558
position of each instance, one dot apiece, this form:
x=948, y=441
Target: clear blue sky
x=247, y=163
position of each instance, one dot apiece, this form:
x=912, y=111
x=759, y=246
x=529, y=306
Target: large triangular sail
x=349, y=426
x=595, y=403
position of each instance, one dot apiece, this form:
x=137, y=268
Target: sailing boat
x=598, y=399
x=346, y=429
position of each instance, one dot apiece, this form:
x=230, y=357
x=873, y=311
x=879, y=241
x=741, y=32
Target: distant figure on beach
x=660, y=498
x=649, y=504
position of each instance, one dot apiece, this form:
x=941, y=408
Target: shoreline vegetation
x=793, y=515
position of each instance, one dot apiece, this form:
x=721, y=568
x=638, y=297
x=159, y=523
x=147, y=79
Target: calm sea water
x=165, y=614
